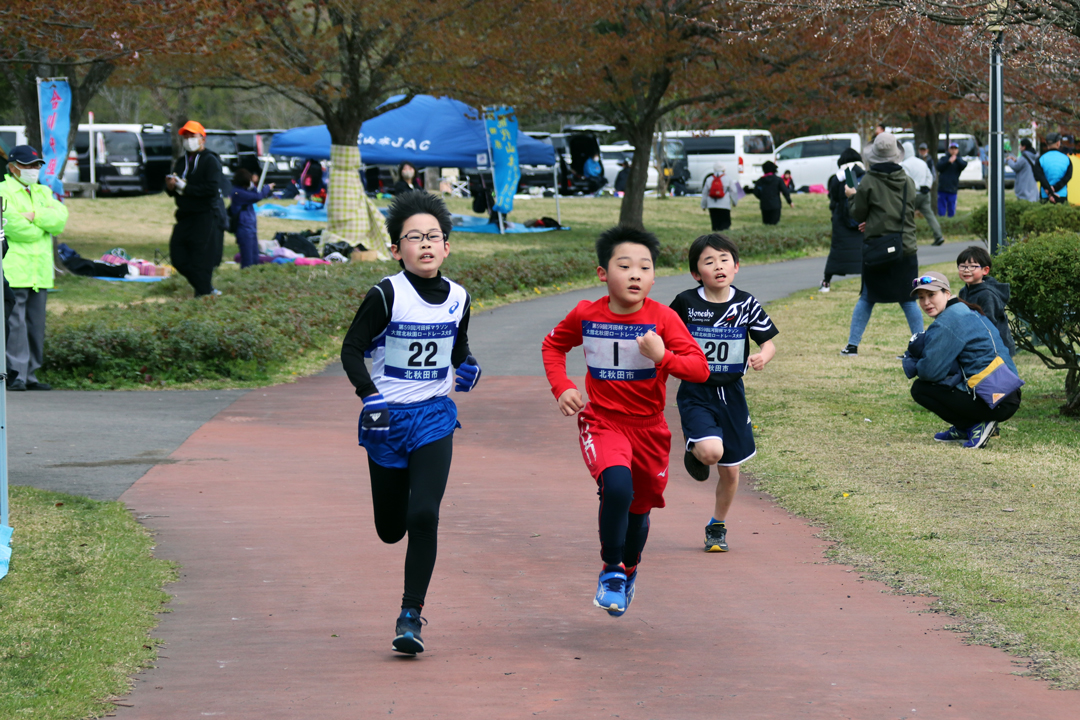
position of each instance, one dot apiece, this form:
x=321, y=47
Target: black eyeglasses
x=924, y=280
x=435, y=236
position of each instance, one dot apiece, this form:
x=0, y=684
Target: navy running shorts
x=413, y=425
x=718, y=412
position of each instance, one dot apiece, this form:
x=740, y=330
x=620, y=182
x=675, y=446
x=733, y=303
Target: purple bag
x=996, y=382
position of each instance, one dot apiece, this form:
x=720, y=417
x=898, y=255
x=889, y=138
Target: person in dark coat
x=879, y=205
x=408, y=180
x=845, y=248
x=242, y=206
x=195, y=245
x=949, y=169
x=768, y=189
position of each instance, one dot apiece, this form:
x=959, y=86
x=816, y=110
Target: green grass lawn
x=993, y=533
x=76, y=607
x=142, y=226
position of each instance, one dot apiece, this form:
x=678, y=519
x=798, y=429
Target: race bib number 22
x=419, y=351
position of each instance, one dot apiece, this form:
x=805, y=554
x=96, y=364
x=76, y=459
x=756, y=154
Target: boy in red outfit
x=631, y=346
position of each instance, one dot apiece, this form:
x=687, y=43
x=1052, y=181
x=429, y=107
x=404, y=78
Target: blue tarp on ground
x=133, y=279
x=296, y=211
x=426, y=132
x=5, y=549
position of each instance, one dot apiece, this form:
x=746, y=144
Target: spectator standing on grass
x=768, y=190
x=407, y=181
x=32, y=215
x=242, y=208
x=960, y=345
x=879, y=205
x=845, y=247
x=623, y=177
x=718, y=197
x=984, y=160
x=1056, y=169
x=1024, y=168
x=920, y=174
x=194, y=247
x=949, y=169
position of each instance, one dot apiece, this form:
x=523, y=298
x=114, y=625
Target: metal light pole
x=996, y=174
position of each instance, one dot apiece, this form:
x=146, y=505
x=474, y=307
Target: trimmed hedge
x=270, y=315
x=1027, y=218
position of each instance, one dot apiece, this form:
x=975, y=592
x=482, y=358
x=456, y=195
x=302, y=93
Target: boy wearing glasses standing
x=414, y=327
x=973, y=266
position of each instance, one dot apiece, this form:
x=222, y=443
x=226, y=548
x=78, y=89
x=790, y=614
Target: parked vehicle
x=612, y=155
x=128, y=158
x=812, y=159
x=742, y=151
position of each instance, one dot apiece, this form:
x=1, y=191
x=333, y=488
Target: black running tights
x=407, y=500
x=622, y=533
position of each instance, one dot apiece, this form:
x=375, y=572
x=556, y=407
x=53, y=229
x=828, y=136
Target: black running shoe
x=697, y=469
x=850, y=350
x=716, y=537
x=407, y=632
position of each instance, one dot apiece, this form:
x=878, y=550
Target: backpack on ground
x=716, y=189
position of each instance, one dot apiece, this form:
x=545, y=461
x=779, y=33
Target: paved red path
x=287, y=599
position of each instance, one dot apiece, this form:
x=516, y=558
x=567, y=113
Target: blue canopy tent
x=426, y=132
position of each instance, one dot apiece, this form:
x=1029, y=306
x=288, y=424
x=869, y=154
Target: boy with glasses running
x=414, y=327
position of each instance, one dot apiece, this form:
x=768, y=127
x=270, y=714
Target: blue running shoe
x=611, y=589
x=980, y=434
x=408, y=639
x=631, y=579
x=951, y=435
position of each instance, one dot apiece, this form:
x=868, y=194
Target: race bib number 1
x=419, y=351
x=611, y=351
x=724, y=347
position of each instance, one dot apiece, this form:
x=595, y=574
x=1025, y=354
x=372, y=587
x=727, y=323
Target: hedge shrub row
x=270, y=315
x=1026, y=218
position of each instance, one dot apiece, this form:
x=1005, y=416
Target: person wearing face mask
x=196, y=242
x=32, y=215
x=242, y=207
x=408, y=181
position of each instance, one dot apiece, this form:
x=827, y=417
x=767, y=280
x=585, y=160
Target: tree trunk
x=927, y=128
x=1072, y=393
x=633, y=203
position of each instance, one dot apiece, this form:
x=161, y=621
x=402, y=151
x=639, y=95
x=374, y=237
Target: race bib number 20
x=419, y=351
x=611, y=351
x=724, y=347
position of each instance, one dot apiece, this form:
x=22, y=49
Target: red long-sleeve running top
x=620, y=378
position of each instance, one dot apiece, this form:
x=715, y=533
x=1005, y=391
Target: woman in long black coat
x=845, y=250
x=768, y=188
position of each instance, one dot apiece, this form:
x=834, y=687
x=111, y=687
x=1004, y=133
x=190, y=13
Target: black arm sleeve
x=1064, y=178
x=371, y=319
x=461, y=344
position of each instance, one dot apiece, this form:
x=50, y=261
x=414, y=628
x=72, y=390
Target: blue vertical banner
x=54, y=105
x=502, y=128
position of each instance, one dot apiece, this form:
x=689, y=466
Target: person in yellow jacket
x=31, y=217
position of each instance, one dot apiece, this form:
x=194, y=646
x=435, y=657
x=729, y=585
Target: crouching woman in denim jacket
x=959, y=346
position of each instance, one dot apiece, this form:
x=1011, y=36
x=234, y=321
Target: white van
x=812, y=159
x=972, y=176
x=743, y=152
x=612, y=155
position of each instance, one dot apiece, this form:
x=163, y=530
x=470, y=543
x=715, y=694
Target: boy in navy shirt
x=715, y=417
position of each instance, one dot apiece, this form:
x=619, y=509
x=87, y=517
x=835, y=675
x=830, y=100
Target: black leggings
x=622, y=533
x=958, y=408
x=407, y=500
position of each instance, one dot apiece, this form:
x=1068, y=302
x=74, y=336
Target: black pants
x=407, y=500
x=958, y=407
x=721, y=219
x=195, y=249
x=770, y=217
x=623, y=534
